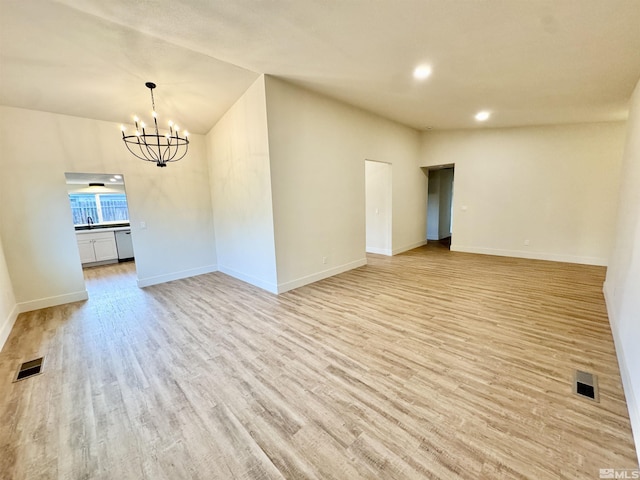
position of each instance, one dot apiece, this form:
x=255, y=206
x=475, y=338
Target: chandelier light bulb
x=154, y=114
x=186, y=134
x=170, y=123
x=137, y=133
x=136, y=119
x=123, y=128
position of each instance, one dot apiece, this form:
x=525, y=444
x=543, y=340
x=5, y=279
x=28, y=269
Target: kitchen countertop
x=106, y=229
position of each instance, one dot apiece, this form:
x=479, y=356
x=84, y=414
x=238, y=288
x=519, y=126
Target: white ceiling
x=529, y=62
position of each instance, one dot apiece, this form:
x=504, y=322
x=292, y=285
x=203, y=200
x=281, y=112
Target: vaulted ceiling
x=528, y=62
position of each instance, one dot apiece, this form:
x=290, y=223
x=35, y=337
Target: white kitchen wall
x=622, y=287
x=554, y=186
x=8, y=305
x=378, y=205
x=317, y=149
x=35, y=218
x=241, y=191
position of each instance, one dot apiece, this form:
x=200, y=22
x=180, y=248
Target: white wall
x=317, y=150
x=555, y=186
x=622, y=287
x=378, y=205
x=433, y=206
x=444, y=205
x=8, y=306
x=37, y=148
x=439, y=203
x=241, y=191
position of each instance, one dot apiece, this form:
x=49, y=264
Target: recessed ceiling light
x=483, y=115
x=422, y=72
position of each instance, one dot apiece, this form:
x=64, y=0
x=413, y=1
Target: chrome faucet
x=90, y=222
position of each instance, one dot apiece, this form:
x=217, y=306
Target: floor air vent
x=30, y=368
x=586, y=385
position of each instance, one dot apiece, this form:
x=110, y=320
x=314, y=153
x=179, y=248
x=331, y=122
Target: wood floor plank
x=429, y=364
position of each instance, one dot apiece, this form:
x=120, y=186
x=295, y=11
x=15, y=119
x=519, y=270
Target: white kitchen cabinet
x=96, y=247
x=87, y=253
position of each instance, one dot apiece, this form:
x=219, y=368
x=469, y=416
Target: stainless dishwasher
x=125, y=245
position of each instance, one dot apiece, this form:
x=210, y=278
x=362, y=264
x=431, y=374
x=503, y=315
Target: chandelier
x=156, y=147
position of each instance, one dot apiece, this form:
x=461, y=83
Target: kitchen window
x=102, y=208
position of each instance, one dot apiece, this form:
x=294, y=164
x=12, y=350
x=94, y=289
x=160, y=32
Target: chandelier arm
x=172, y=153
x=181, y=156
x=149, y=157
x=163, y=151
x=142, y=150
x=134, y=153
x=163, y=155
x=167, y=152
x=172, y=149
x=152, y=155
x=146, y=152
x=186, y=149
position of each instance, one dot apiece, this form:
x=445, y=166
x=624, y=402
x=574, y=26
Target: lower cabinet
x=97, y=247
x=87, y=253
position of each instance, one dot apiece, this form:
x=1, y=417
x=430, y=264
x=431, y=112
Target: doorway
x=101, y=224
x=440, y=205
x=378, y=207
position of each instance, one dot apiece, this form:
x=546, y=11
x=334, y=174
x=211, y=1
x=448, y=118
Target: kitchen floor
x=106, y=280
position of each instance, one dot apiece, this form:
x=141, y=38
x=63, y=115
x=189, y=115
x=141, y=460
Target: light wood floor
x=430, y=364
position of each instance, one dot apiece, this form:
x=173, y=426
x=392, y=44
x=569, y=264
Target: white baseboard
x=379, y=251
x=554, y=257
x=286, y=286
x=625, y=373
x=168, y=277
x=52, y=301
x=257, y=282
x=406, y=248
x=31, y=305
x=7, y=325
